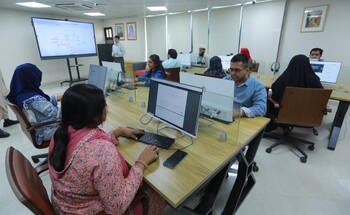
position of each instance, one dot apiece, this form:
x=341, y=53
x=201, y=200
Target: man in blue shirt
x=118, y=52
x=249, y=93
x=171, y=62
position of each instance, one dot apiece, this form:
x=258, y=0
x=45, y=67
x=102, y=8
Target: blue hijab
x=25, y=84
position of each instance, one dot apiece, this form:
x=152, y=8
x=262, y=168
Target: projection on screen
x=64, y=39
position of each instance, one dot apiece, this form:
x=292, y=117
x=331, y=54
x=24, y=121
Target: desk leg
x=245, y=179
x=337, y=123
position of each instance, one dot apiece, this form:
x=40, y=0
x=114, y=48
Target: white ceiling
x=120, y=8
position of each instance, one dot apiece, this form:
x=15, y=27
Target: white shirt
x=118, y=50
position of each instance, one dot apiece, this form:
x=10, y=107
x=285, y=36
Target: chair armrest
x=275, y=104
x=329, y=109
x=43, y=124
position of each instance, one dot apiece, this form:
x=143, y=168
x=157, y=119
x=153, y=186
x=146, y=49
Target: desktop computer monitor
x=185, y=59
x=113, y=70
x=218, y=94
x=177, y=105
x=225, y=61
x=97, y=76
x=327, y=71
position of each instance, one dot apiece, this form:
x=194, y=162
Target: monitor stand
x=176, y=136
x=71, y=80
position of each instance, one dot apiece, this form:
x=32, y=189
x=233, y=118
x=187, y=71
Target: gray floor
x=284, y=184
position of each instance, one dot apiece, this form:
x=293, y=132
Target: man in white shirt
x=200, y=60
x=118, y=52
x=171, y=62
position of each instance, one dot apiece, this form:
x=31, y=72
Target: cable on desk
x=145, y=123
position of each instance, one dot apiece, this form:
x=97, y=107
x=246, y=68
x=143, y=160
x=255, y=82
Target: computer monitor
x=225, y=61
x=97, y=76
x=177, y=105
x=327, y=71
x=217, y=101
x=185, y=59
x=113, y=69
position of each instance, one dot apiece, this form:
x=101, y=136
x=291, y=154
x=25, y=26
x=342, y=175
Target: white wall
x=334, y=40
x=18, y=46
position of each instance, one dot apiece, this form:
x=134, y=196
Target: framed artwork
x=131, y=29
x=119, y=30
x=314, y=18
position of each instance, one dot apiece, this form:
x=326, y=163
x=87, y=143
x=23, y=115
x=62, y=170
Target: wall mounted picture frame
x=314, y=18
x=131, y=30
x=120, y=30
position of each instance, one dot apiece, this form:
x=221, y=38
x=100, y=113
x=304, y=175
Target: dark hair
x=172, y=53
x=82, y=107
x=317, y=49
x=156, y=60
x=240, y=58
x=117, y=36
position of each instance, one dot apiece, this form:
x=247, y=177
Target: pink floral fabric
x=96, y=178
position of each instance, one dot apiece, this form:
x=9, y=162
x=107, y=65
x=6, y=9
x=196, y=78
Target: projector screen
x=64, y=39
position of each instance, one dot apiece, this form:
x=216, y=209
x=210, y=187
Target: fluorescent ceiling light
x=95, y=14
x=33, y=4
x=157, y=8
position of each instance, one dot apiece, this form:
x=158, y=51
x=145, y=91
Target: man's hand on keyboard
x=131, y=132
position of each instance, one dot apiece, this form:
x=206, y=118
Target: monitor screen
x=97, y=76
x=184, y=58
x=175, y=104
x=225, y=61
x=217, y=101
x=327, y=71
x=113, y=70
x=64, y=39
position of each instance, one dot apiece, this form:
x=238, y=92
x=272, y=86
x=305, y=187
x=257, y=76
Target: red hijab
x=245, y=51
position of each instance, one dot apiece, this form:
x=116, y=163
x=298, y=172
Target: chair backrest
x=303, y=106
x=26, y=127
x=26, y=183
x=139, y=66
x=173, y=74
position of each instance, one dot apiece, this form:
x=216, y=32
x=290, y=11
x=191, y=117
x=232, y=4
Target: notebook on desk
x=327, y=71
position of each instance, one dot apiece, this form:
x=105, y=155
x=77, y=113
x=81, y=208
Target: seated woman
x=215, y=67
x=88, y=173
x=25, y=92
x=299, y=73
x=156, y=70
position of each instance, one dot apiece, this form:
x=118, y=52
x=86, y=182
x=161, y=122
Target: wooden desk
x=341, y=95
x=207, y=161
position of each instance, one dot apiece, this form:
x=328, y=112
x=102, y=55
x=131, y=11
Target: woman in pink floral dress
x=88, y=174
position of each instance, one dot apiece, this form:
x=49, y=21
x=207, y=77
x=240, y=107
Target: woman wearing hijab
x=25, y=92
x=215, y=67
x=299, y=73
x=245, y=51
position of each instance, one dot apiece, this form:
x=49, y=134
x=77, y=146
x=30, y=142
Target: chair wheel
x=35, y=160
x=303, y=159
x=311, y=147
x=268, y=150
x=255, y=168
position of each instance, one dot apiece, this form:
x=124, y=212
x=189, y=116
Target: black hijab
x=299, y=73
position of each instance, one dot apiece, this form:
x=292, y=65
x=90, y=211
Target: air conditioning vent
x=74, y=6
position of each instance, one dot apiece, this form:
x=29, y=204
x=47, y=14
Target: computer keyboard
x=156, y=139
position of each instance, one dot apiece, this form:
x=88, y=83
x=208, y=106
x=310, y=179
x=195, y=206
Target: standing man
x=316, y=54
x=118, y=52
x=249, y=94
x=201, y=60
x=3, y=109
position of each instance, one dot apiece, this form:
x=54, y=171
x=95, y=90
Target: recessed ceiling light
x=95, y=14
x=157, y=8
x=33, y=4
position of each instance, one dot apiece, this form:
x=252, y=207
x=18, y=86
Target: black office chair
x=300, y=107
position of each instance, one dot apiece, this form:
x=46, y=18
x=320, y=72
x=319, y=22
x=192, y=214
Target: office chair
x=29, y=131
x=172, y=74
x=139, y=69
x=26, y=183
x=300, y=107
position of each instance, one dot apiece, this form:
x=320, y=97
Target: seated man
x=249, y=93
x=171, y=62
x=201, y=59
x=316, y=54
